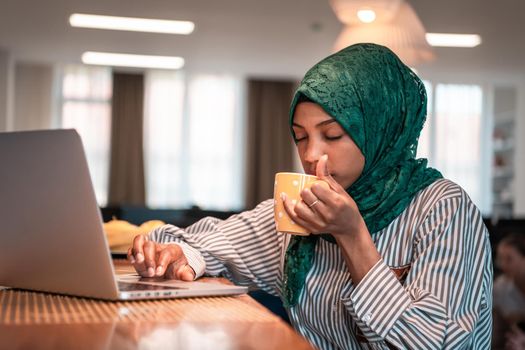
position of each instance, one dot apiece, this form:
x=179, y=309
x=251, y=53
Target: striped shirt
x=431, y=290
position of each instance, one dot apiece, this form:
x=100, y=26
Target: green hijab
x=381, y=104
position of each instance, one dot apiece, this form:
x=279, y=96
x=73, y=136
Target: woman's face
x=317, y=133
x=509, y=260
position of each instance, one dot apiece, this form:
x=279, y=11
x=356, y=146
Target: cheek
x=353, y=161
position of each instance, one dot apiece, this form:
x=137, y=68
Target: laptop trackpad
x=140, y=287
x=159, y=282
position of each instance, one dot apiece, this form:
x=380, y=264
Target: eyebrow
x=324, y=122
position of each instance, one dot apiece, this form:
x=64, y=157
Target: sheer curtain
x=86, y=107
x=163, y=134
x=215, y=150
x=458, y=132
x=451, y=138
x=193, y=138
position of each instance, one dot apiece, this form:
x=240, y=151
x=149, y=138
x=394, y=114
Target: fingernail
x=132, y=260
x=140, y=257
x=159, y=270
x=283, y=196
x=151, y=272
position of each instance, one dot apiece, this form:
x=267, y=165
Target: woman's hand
x=152, y=259
x=332, y=210
x=326, y=209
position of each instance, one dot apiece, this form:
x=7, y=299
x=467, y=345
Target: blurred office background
x=213, y=132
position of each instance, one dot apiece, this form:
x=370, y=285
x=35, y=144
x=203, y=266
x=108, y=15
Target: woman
x=399, y=257
x=509, y=287
x=509, y=293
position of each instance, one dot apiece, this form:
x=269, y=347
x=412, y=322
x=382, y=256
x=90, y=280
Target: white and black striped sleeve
x=194, y=257
x=245, y=247
x=440, y=303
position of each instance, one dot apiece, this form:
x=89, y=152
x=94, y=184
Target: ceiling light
x=453, y=40
x=131, y=24
x=403, y=33
x=366, y=15
x=348, y=11
x=127, y=60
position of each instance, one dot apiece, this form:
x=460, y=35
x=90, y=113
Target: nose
x=313, y=152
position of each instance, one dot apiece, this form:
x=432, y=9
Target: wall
x=33, y=99
x=6, y=91
x=519, y=160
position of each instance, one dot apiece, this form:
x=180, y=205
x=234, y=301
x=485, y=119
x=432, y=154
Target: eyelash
x=334, y=138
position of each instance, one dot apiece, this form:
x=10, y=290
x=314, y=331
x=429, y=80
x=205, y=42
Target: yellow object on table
x=120, y=233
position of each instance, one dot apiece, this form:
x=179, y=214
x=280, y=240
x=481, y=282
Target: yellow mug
x=291, y=184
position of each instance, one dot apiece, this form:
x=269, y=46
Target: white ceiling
x=256, y=37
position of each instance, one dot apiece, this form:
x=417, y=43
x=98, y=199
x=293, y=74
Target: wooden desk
x=31, y=320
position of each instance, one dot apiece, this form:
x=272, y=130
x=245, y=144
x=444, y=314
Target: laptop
x=51, y=233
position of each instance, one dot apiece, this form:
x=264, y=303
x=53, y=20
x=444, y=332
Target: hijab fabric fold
x=381, y=104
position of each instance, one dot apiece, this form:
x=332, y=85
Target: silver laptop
x=51, y=235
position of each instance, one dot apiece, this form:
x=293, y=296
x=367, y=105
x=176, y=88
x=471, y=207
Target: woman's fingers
x=153, y=259
x=316, y=210
x=301, y=214
x=186, y=273
x=164, y=258
x=138, y=247
x=150, y=257
x=331, y=200
x=180, y=270
x=136, y=254
x=166, y=255
x=322, y=172
x=130, y=256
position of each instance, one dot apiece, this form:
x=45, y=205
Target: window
x=86, y=107
x=451, y=138
x=192, y=141
x=193, y=150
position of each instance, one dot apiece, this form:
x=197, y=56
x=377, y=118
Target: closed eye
x=333, y=138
